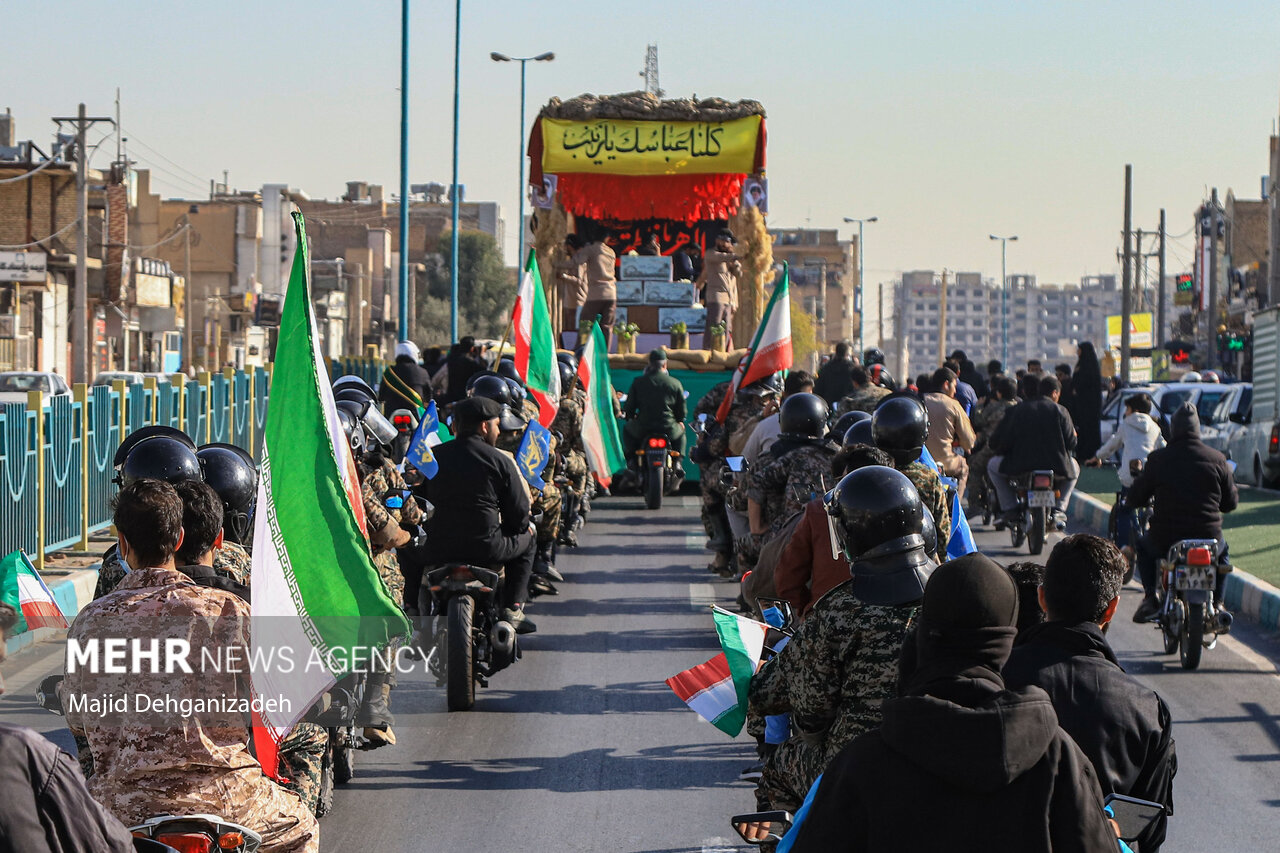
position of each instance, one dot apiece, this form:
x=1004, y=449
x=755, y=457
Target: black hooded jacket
x=835, y=380
x=1123, y=727
x=1035, y=434
x=1189, y=483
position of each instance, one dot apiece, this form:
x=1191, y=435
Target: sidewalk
x=1247, y=596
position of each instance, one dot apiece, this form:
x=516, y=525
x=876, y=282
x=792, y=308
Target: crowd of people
x=916, y=684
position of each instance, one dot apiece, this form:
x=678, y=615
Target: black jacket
x=411, y=374
x=47, y=807
x=979, y=769
x=1035, y=434
x=1190, y=483
x=461, y=367
x=1123, y=727
x=479, y=503
x=835, y=380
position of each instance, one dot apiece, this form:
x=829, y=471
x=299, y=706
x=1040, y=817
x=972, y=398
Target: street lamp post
x=857, y=296
x=403, y=295
x=523, y=60
x=1004, y=302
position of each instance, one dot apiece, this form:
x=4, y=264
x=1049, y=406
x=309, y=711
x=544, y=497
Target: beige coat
x=573, y=281
x=720, y=271
x=598, y=261
x=948, y=426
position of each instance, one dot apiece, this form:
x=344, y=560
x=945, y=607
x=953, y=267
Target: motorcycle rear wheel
x=1035, y=534
x=1018, y=531
x=1192, y=637
x=461, y=687
x=1169, y=637
x=344, y=756
x=653, y=487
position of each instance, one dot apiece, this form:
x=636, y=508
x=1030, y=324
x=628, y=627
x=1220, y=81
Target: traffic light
x=1180, y=351
x=1184, y=283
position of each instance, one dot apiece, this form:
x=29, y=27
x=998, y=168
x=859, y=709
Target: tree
x=485, y=293
x=804, y=338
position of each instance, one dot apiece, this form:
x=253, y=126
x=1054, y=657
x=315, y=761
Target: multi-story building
x=814, y=254
x=1045, y=321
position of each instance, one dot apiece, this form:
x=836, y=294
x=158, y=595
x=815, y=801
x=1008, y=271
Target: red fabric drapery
x=683, y=198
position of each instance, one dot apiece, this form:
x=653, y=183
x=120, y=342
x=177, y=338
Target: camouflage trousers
x=714, y=521
x=747, y=549
x=789, y=773
x=575, y=468
x=389, y=570
x=301, y=760
x=549, y=503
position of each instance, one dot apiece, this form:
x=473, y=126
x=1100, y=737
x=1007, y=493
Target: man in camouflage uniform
x=152, y=760
x=842, y=661
x=302, y=754
x=866, y=394
x=934, y=496
x=231, y=561
x=1004, y=396
x=572, y=459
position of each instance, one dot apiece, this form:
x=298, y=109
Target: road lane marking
x=693, y=541
x=1253, y=658
x=702, y=595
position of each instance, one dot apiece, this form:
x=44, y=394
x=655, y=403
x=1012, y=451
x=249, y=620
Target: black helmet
x=803, y=416
x=232, y=474
x=132, y=439
x=929, y=531
x=517, y=392
x=353, y=381
x=771, y=384
x=507, y=370
x=490, y=385
x=847, y=420
x=900, y=425
x=566, y=357
x=872, y=356
x=352, y=394
x=879, y=526
x=567, y=374
x=859, y=433
x=160, y=458
x=349, y=417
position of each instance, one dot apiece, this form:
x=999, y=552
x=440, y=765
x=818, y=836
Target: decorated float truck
x=631, y=167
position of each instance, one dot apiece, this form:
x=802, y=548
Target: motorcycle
x=659, y=469
x=1189, y=576
x=406, y=424
x=1032, y=518
x=337, y=711
x=1141, y=521
x=470, y=639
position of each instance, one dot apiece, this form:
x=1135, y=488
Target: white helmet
x=408, y=348
x=1191, y=376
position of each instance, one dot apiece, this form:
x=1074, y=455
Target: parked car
x=1230, y=416
x=1205, y=396
x=128, y=377
x=16, y=384
x=1113, y=411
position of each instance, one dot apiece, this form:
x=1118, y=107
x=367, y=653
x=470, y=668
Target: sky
x=948, y=121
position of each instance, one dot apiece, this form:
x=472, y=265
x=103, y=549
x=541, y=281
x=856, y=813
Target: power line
x=60, y=231
x=133, y=138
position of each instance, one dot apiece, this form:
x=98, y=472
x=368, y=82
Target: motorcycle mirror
x=786, y=616
x=762, y=827
x=702, y=417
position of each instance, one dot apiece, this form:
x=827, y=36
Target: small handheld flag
x=534, y=453
x=961, y=541
x=22, y=588
x=717, y=690
x=425, y=437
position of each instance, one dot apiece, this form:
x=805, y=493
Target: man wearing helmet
x=655, y=406
x=572, y=461
x=405, y=384
x=796, y=469
x=230, y=471
x=899, y=427
x=842, y=661
x=873, y=360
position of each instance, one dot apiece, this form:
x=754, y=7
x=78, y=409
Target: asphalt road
x=580, y=746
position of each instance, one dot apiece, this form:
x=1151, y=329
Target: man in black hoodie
x=960, y=763
x=1122, y=726
x=1190, y=486
x=834, y=378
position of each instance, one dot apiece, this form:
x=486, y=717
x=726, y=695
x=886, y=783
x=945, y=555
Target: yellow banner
x=628, y=147
x=1139, y=331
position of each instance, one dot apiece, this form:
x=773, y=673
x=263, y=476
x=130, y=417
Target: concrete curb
x=72, y=589
x=1246, y=596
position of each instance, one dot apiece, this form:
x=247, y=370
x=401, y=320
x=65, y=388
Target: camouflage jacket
x=377, y=484
x=934, y=496
x=233, y=561
x=744, y=408
x=837, y=669
x=568, y=423
x=864, y=399
x=987, y=418
x=783, y=485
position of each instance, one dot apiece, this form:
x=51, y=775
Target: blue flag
x=927, y=458
x=534, y=453
x=961, y=540
x=425, y=437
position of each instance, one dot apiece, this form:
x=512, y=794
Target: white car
x=128, y=377
x=1113, y=411
x=16, y=384
x=1205, y=396
x=1228, y=417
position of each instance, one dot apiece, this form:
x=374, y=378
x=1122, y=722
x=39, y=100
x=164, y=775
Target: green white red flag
x=22, y=588
x=317, y=598
x=536, y=343
x=717, y=690
x=770, y=349
x=600, y=436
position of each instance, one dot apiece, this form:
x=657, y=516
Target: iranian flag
x=717, y=690
x=600, y=437
x=536, y=343
x=22, y=588
x=770, y=349
x=318, y=602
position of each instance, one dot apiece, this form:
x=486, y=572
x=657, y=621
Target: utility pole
x=453, y=209
x=942, y=319
x=80, y=346
x=880, y=319
x=1126, y=295
x=355, y=313
x=188, y=296
x=404, y=172
x=1139, y=270
x=1160, y=297
x=1211, y=356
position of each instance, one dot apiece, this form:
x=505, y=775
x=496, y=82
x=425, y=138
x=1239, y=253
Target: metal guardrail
x=56, y=453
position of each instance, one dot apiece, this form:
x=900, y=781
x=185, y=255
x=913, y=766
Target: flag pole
x=511, y=322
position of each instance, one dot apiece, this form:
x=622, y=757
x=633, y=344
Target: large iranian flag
x=536, y=343
x=770, y=349
x=600, y=437
x=318, y=603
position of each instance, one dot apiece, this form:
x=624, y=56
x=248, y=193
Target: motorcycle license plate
x=1037, y=500
x=1195, y=577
